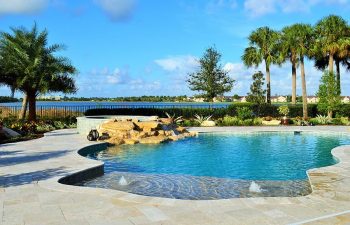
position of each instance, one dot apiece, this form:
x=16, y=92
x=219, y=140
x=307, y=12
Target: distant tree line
x=4, y=99
x=181, y=98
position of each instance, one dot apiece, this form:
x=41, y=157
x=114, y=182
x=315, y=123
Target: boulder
x=173, y=138
x=148, y=125
x=181, y=129
x=7, y=133
x=117, y=126
x=271, y=123
x=166, y=121
x=208, y=123
x=130, y=141
x=153, y=140
x=115, y=141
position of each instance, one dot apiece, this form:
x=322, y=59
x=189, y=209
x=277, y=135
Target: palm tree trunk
x=331, y=63
x=32, y=106
x=337, y=64
x=303, y=86
x=294, y=83
x=23, y=112
x=268, y=84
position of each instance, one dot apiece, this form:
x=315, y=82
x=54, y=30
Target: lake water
x=125, y=104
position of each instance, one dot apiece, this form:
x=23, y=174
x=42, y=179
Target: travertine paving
x=30, y=193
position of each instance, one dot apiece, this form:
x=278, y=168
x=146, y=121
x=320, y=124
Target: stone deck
x=30, y=193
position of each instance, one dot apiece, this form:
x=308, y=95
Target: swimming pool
x=218, y=165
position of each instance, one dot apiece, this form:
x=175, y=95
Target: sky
x=148, y=47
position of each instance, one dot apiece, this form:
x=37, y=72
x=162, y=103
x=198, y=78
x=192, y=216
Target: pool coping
x=329, y=199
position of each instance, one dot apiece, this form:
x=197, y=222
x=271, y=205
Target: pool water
x=218, y=165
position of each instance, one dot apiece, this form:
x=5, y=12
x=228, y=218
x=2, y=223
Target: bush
x=186, y=113
x=258, y=110
x=244, y=113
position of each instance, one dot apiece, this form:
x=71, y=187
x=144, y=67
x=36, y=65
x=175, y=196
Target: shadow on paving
x=30, y=177
x=22, y=158
x=2, y=153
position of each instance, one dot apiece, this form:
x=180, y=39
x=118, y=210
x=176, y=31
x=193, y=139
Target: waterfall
x=122, y=181
x=254, y=187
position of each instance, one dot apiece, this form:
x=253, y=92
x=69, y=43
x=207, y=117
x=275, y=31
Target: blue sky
x=147, y=47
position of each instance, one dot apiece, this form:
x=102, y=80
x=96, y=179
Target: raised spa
x=218, y=165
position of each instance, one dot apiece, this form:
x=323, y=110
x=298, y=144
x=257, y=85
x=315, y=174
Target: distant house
x=49, y=97
x=243, y=99
x=278, y=99
x=345, y=99
x=198, y=99
x=312, y=99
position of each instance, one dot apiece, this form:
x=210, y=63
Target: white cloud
x=178, y=63
x=117, y=10
x=256, y=8
x=22, y=6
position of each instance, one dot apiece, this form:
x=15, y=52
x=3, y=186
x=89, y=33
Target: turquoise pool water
x=278, y=161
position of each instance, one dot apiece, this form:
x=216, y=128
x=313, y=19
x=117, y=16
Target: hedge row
x=258, y=110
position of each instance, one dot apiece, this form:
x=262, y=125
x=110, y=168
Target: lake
x=49, y=104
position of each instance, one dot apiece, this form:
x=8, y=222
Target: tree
x=329, y=98
x=288, y=51
x=304, y=41
x=332, y=32
x=211, y=78
x=257, y=93
x=263, y=48
x=37, y=69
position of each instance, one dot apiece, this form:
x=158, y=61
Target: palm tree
x=288, y=51
x=263, y=48
x=304, y=41
x=332, y=34
x=37, y=69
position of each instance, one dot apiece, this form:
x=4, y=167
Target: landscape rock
x=148, y=125
x=271, y=123
x=130, y=141
x=208, y=123
x=153, y=140
x=144, y=132
x=119, y=125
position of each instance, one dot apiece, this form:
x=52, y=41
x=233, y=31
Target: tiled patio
x=30, y=193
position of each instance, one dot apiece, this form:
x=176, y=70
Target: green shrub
x=244, y=113
x=229, y=121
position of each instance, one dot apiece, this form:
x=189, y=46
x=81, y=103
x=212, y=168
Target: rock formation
x=145, y=132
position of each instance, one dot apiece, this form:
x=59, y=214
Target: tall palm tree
x=304, y=40
x=26, y=54
x=332, y=32
x=288, y=51
x=262, y=48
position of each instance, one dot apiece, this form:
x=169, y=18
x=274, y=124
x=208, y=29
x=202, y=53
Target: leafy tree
x=211, y=78
x=257, y=93
x=37, y=70
x=263, y=48
x=329, y=98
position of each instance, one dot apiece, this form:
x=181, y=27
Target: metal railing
x=79, y=110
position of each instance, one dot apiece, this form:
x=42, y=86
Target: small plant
x=244, y=113
x=283, y=110
x=323, y=120
x=174, y=120
x=200, y=119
